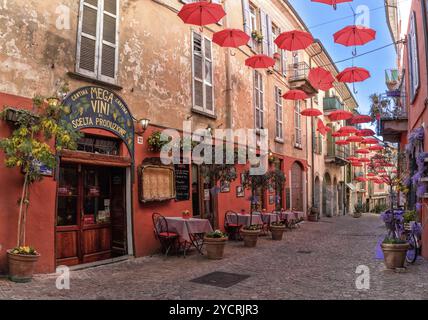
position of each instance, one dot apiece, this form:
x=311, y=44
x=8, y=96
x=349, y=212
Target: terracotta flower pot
x=394, y=254
x=250, y=237
x=277, y=232
x=21, y=266
x=215, y=247
x=313, y=217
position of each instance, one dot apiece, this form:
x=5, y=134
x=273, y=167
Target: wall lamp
x=143, y=124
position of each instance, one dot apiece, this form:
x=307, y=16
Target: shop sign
x=97, y=107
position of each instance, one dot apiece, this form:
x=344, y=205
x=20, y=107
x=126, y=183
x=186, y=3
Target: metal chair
x=167, y=239
x=231, y=225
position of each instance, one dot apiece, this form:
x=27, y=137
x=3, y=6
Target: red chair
x=167, y=239
x=232, y=226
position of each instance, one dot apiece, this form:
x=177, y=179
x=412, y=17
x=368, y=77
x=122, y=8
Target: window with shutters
x=258, y=100
x=297, y=124
x=412, y=49
x=97, y=47
x=276, y=52
x=203, y=89
x=278, y=115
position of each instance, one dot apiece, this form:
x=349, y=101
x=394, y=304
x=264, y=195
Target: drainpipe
x=229, y=117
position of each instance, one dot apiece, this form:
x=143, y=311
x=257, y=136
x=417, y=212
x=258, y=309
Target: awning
x=351, y=186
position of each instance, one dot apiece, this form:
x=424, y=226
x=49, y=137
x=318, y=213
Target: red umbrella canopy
x=361, y=179
x=321, y=127
x=375, y=148
x=342, y=142
x=360, y=118
x=362, y=151
x=348, y=129
x=321, y=79
x=339, y=134
x=260, y=61
x=352, y=159
x=354, y=36
x=332, y=2
x=366, y=160
x=354, y=139
x=201, y=13
x=353, y=74
x=371, y=174
x=294, y=40
x=231, y=38
x=356, y=164
x=340, y=115
x=311, y=112
x=365, y=133
x=295, y=95
x=370, y=141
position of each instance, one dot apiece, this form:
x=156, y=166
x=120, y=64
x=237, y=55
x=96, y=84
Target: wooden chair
x=167, y=239
x=231, y=225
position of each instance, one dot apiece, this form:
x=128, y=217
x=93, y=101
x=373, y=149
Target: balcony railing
x=332, y=104
x=394, y=113
x=298, y=71
x=337, y=154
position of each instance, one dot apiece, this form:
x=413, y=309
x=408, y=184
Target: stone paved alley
x=316, y=261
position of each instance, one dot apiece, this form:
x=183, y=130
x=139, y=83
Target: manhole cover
x=304, y=251
x=221, y=279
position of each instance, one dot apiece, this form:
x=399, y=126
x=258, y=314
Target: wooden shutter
x=109, y=43
x=198, y=72
x=413, y=57
x=246, y=16
x=283, y=60
x=88, y=38
x=265, y=33
x=270, y=36
x=208, y=76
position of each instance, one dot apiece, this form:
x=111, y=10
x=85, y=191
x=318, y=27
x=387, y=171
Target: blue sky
x=316, y=13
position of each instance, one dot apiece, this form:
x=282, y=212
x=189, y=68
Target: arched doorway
x=317, y=193
x=297, y=191
x=327, y=196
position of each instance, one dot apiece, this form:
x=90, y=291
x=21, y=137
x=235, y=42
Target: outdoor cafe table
x=191, y=230
x=244, y=219
x=287, y=216
x=299, y=214
x=268, y=218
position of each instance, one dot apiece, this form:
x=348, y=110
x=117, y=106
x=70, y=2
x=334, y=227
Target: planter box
x=250, y=237
x=215, y=247
x=394, y=255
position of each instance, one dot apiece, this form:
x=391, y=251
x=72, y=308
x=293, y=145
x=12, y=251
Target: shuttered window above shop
x=278, y=115
x=258, y=100
x=97, y=47
x=203, y=87
x=412, y=49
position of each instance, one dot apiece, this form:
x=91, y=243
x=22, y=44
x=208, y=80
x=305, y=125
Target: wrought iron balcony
x=337, y=154
x=298, y=78
x=392, y=123
x=332, y=104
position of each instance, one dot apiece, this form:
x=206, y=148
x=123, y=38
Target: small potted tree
x=214, y=244
x=29, y=146
x=313, y=214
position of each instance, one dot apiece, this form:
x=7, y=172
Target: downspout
x=229, y=117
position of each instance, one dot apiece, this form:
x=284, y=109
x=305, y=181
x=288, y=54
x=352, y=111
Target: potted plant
x=358, y=210
x=257, y=36
x=250, y=234
x=313, y=214
x=277, y=230
x=394, y=249
x=215, y=243
x=277, y=56
x=156, y=141
x=36, y=131
x=186, y=214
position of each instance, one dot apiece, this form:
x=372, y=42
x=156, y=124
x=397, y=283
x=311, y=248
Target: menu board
x=182, y=182
x=156, y=183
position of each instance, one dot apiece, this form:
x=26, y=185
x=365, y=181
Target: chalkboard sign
x=182, y=182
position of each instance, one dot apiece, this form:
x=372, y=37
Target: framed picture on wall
x=242, y=178
x=240, y=192
x=224, y=186
x=271, y=199
x=271, y=188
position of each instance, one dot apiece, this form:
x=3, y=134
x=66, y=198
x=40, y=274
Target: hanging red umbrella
x=311, y=112
x=365, y=133
x=339, y=115
x=231, y=38
x=333, y=3
x=260, y=61
x=294, y=40
x=201, y=13
x=341, y=142
x=352, y=159
x=371, y=174
x=360, y=118
x=321, y=79
x=356, y=164
x=365, y=160
x=353, y=74
x=375, y=148
x=348, y=129
x=370, y=141
x=361, y=179
x=354, y=36
x=321, y=127
x=295, y=95
x=362, y=151
x=354, y=139
x=339, y=134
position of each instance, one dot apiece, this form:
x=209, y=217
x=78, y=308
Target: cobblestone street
x=316, y=261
